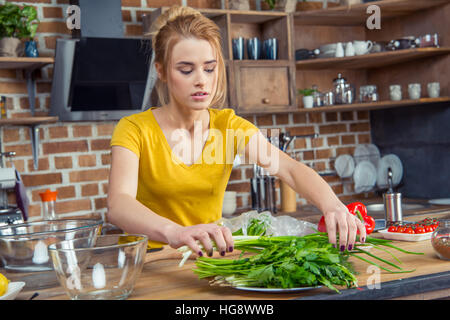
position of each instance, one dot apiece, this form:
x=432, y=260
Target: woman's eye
x=209, y=70
x=185, y=72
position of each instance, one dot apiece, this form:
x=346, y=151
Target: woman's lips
x=200, y=97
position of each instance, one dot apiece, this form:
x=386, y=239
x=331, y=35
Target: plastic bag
x=277, y=226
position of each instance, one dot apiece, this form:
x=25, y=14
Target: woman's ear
x=159, y=71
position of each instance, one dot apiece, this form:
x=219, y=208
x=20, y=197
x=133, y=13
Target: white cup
x=362, y=47
x=339, y=50
x=229, y=203
x=433, y=89
x=395, y=92
x=349, y=50
x=414, y=91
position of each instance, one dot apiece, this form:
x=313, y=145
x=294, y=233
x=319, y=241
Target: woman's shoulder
x=139, y=119
x=223, y=115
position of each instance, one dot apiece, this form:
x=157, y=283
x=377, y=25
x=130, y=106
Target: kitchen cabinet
x=254, y=85
x=399, y=18
x=29, y=66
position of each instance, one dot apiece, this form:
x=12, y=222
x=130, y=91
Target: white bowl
x=13, y=290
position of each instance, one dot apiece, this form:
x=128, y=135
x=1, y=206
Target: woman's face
x=192, y=74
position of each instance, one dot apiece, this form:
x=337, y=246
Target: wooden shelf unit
x=356, y=106
x=29, y=65
x=27, y=121
x=356, y=15
x=310, y=29
x=371, y=60
x=25, y=62
x=402, y=67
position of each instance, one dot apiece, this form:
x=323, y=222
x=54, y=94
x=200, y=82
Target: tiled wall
x=74, y=158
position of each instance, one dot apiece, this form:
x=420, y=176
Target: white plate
x=405, y=236
x=13, y=290
x=443, y=201
x=365, y=176
x=374, y=154
x=361, y=153
x=393, y=162
x=344, y=165
x=276, y=290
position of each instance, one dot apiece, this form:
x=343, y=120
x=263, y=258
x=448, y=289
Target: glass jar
x=440, y=240
x=368, y=93
x=48, y=204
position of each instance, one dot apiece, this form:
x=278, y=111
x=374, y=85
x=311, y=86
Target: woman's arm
x=310, y=185
x=131, y=216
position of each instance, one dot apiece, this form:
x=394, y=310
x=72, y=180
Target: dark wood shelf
x=25, y=62
x=371, y=60
x=27, y=121
x=357, y=14
x=351, y=107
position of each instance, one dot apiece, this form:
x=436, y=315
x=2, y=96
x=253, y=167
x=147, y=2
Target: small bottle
x=48, y=204
x=3, y=107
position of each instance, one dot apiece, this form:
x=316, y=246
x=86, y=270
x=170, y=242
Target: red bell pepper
x=358, y=209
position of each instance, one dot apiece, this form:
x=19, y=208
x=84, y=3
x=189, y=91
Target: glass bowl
x=23, y=247
x=101, y=268
x=440, y=240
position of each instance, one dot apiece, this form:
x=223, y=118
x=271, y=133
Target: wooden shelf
x=27, y=121
x=354, y=107
x=356, y=14
x=371, y=60
x=24, y=62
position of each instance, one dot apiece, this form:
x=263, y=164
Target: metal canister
x=392, y=208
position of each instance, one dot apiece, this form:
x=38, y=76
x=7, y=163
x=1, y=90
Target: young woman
x=171, y=164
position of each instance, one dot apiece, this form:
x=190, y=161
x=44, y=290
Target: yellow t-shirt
x=187, y=195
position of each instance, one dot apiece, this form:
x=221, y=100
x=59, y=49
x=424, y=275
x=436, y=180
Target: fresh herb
x=256, y=227
x=291, y=261
x=271, y=3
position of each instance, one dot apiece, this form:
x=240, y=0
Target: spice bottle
x=48, y=204
x=3, y=107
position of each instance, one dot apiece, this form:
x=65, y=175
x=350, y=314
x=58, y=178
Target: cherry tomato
x=429, y=229
x=409, y=230
x=392, y=229
x=419, y=230
x=401, y=229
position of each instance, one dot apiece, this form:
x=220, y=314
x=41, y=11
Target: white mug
x=433, y=89
x=349, y=50
x=395, y=92
x=339, y=50
x=362, y=47
x=414, y=91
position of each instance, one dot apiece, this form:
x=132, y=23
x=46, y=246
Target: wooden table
x=162, y=279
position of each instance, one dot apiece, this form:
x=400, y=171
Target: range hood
x=100, y=74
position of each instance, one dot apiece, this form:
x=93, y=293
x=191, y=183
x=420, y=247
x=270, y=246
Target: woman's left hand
x=339, y=219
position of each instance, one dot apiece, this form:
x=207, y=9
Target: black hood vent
x=100, y=75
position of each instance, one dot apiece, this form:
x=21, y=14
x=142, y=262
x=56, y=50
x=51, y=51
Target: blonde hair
x=184, y=22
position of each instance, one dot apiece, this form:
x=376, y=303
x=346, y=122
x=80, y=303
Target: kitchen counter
x=162, y=279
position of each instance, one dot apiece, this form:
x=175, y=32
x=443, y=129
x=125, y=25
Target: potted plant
x=17, y=24
x=282, y=5
x=308, y=99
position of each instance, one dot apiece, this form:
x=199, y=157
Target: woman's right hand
x=178, y=236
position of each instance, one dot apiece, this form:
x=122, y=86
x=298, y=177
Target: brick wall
x=74, y=158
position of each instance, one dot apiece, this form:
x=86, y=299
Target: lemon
x=3, y=284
